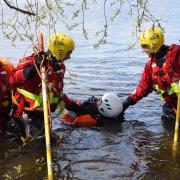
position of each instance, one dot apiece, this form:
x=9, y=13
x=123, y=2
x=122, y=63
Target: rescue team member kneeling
x=27, y=88
x=96, y=112
x=5, y=95
x=161, y=73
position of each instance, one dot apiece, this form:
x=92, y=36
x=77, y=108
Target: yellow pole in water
x=176, y=131
x=45, y=107
x=46, y=124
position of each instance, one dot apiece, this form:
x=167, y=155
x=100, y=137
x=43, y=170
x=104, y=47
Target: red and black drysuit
x=27, y=88
x=160, y=74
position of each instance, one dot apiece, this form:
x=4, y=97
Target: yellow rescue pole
x=46, y=124
x=46, y=115
x=176, y=131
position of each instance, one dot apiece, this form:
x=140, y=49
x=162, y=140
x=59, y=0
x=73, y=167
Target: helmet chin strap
x=151, y=55
x=52, y=58
x=160, y=56
x=162, y=52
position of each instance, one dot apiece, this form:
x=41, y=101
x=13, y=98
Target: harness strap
x=39, y=99
x=173, y=90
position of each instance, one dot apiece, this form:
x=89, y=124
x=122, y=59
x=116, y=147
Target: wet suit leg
x=36, y=123
x=21, y=126
x=168, y=113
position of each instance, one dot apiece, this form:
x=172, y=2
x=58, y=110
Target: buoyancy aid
x=28, y=96
x=165, y=78
x=85, y=120
x=5, y=69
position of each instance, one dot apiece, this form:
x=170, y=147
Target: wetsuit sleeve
x=70, y=105
x=67, y=100
x=20, y=76
x=82, y=109
x=16, y=78
x=29, y=72
x=23, y=72
x=145, y=85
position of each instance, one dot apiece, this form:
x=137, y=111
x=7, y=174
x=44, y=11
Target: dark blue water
x=139, y=148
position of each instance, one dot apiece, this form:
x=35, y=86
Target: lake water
x=139, y=148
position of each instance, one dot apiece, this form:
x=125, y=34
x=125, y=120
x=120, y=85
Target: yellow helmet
x=59, y=44
x=153, y=38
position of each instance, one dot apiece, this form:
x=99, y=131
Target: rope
x=39, y=73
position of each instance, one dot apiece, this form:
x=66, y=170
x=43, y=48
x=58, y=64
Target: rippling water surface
x=140, y=147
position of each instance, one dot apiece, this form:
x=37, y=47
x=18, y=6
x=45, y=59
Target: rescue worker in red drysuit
x=27, y=88
x=5, y=95
x=161, y=73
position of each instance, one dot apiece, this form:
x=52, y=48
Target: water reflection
x=139, y=148
x=103, y=152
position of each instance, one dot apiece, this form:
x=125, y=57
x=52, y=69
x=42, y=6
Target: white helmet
x=110, y=105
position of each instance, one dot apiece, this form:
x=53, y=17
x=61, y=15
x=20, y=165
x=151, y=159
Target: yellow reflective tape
x=38, y=98
x=61, y=95
x=38, y=101
x=51, y=98
x=55, y=100
x=62, y=113
x=61, y=105
x=159, y=91
x=173, y=89
x=27, y=94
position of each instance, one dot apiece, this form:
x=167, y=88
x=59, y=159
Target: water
x=140, y=147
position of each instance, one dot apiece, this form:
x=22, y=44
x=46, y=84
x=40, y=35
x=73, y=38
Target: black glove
x=92, y=100
x=127, y=103
x=39, y=58
x=29, y=72
x=47, y=59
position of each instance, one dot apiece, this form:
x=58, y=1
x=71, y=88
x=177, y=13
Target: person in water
x=161, y=73
x=96, y=112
